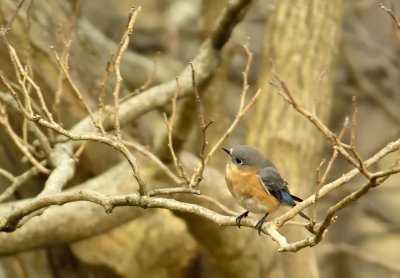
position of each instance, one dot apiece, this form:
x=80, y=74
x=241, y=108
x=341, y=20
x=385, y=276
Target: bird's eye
x=238, y=161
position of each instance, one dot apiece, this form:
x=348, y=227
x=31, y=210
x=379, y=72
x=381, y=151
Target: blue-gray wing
x=275, y=185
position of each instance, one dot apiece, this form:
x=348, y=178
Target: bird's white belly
x=250, y=205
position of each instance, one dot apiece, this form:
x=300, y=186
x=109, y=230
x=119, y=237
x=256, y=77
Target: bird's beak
x=228, y=151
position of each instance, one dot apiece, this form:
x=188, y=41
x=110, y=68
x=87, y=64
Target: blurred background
x=326, y=51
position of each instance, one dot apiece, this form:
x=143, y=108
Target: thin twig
x=321, y=180
x=14, y=94
x=123, y=45
x=198, y=173
x=118, y=145
x=340, y=146
x=316, y=91
x=18, y=181
x=353, y=150
x=65, y=69
x=317, y=188
x=14, y=16
x=243, y=107
x=21, y=71
x=7, y=175
x=345, y=178
x=170, y=125
x=19, y=142
x=390, y=12
x=153, y=158
x=145, y=84
x=103, y=89
x=218, y=204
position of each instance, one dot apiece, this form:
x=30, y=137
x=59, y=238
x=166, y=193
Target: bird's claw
x=239, y=218
x=259, y=226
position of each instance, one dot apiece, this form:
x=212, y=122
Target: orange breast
x=248, y=191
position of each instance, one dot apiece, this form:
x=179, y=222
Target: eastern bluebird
x=256, y=184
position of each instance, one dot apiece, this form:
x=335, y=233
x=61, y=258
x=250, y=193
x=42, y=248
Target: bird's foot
x=259, y=226
x=239, y=218
x=260, y=223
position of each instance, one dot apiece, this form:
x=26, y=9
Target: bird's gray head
x=246, y=157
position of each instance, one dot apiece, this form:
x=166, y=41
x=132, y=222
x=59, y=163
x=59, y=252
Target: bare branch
x=123, y=45
x=345, y=178
x=19, y=142
x=198, y=173
x=218, y=204
x=7, y=175
x=155, y=159
x=14, y=15
x=172, y=190
x=391, y=14
x=170, y=125
x=243, y=107
x=18, y=181
x=65, y=69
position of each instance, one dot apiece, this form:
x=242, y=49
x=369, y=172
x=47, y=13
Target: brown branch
x=330, y=216
x=376, y=180
x=218, y=204
x=338, y=145
x=7, y=175
x=353, y=122
x=243, y=107
x=153, y=158
x=116, y=144
x=42, y=139
x=391, y=14
x=170, y=125
x=315, y=94
x=21, y=71
x=395, y=22
x=19, y=142
x=198, y=173
x=317, y=188
x=312, y=118
x=14, y=16
x=206, y=62
x=145, y=84
x=18, y=181
x=322, y=180
x=65, y=69
x=14, y=94
x=123, y=45
x=361, y=166
x=18, y=69
x=103, y=88
x=345, y=178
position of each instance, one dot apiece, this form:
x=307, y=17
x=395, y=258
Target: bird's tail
x=302, y=214
x=297, y=199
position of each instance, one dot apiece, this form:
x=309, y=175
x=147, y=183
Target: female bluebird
x=256, y=184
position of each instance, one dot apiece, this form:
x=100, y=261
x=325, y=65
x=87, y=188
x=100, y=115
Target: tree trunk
x=301, y=39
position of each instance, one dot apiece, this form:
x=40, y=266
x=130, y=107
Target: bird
x=256, y=184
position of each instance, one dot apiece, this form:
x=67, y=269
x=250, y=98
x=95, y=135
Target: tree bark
x=301, y=39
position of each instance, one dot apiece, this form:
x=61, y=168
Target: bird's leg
x=239, y=218
x=260, y=223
